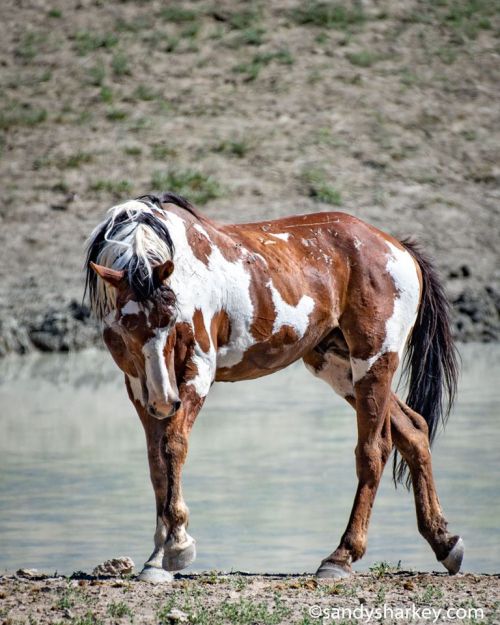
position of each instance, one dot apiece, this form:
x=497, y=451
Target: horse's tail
x=431, y=361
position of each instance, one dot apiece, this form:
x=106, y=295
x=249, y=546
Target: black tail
x=431, y=362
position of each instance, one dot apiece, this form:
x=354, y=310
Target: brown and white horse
x=185, y=301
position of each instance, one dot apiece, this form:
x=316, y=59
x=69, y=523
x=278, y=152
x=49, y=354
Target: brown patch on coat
x=200, y=246
x=200, y=331
x=185, y=369
x=118, y=351
x=220, y=329
x=366, y=310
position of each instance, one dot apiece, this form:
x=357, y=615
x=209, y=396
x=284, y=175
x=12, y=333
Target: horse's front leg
x=167, y=445
x=179, y=548
x=153, y=570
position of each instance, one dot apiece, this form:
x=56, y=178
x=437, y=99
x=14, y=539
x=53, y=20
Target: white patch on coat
x=357, y=243
x=136, y=388
x=336, y=372
x=215, y=286
x=131, y=308
x=360, y=366
x=286, y=315
x=282, y=235
x=401, y=266
x=202, y=231
x=157, y=375
x=156, y=558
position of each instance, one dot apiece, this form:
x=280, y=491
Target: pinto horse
x=185, y=301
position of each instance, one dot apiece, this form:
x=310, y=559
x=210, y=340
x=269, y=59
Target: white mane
x=127, y=239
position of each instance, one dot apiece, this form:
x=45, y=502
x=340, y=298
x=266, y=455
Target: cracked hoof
x=154, y=575
x=331, y=570
x=175, y=559
x=453, y=560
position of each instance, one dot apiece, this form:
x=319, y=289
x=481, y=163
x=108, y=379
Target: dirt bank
x=217, y=599
x=253, y=110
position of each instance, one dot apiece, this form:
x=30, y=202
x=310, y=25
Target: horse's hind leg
x=410, y=435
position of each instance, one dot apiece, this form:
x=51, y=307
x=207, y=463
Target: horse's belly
x=263, y=357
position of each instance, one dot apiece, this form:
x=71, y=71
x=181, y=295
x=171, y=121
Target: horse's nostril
x=176, y=405
x=151, y=409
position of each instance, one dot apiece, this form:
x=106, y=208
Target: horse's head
x=139, y=334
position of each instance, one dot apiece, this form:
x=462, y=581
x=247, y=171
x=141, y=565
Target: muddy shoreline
x=215, y=598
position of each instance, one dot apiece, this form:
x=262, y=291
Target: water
x=269, y=481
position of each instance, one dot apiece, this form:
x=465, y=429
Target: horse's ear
x=163, y=272
x=111, y=276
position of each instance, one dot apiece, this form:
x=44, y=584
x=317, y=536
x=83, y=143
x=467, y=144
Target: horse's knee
x=370, y=459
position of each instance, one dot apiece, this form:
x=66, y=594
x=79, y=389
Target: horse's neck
x=202, y=275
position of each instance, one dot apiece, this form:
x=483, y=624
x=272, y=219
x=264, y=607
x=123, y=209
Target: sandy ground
x=217, y=599
x=388, y=110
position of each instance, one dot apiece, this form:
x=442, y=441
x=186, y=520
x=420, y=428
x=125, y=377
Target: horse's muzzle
x=164, y=412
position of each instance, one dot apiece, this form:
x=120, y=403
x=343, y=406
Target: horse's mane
x=133, y=238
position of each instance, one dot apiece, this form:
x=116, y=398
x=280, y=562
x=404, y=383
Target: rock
x=115, y=567
x=476, y=315
x=14, y=337
x=31, y=574
x=176, y=616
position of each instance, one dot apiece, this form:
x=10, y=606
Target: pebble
x=177, y=616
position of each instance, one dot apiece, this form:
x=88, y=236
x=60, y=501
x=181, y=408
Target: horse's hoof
x=331, y=570
x=453, y=560
x=155, y=575
x=178, y=559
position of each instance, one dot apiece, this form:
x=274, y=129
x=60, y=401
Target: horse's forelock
x=133, y=238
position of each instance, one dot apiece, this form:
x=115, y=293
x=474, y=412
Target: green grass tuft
x=119, y=609
x=319, y=188
x=132, y=150
x=178, y=14
x=106, y=94
x=365, y=58
x=260, y=60
x=379, y=569
x=116, y=115
x=145, y=93
x=162, y=151
x=20, y=114
x=233, y=147
x=196, y=186
x=97, y=74
x=116, y=188
x=86, y=42
x=120, y=65
x=29, y=45
x=241, y=20
x=73, y=161
x=327, y=15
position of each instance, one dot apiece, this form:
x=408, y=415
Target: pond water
x=269, y=480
